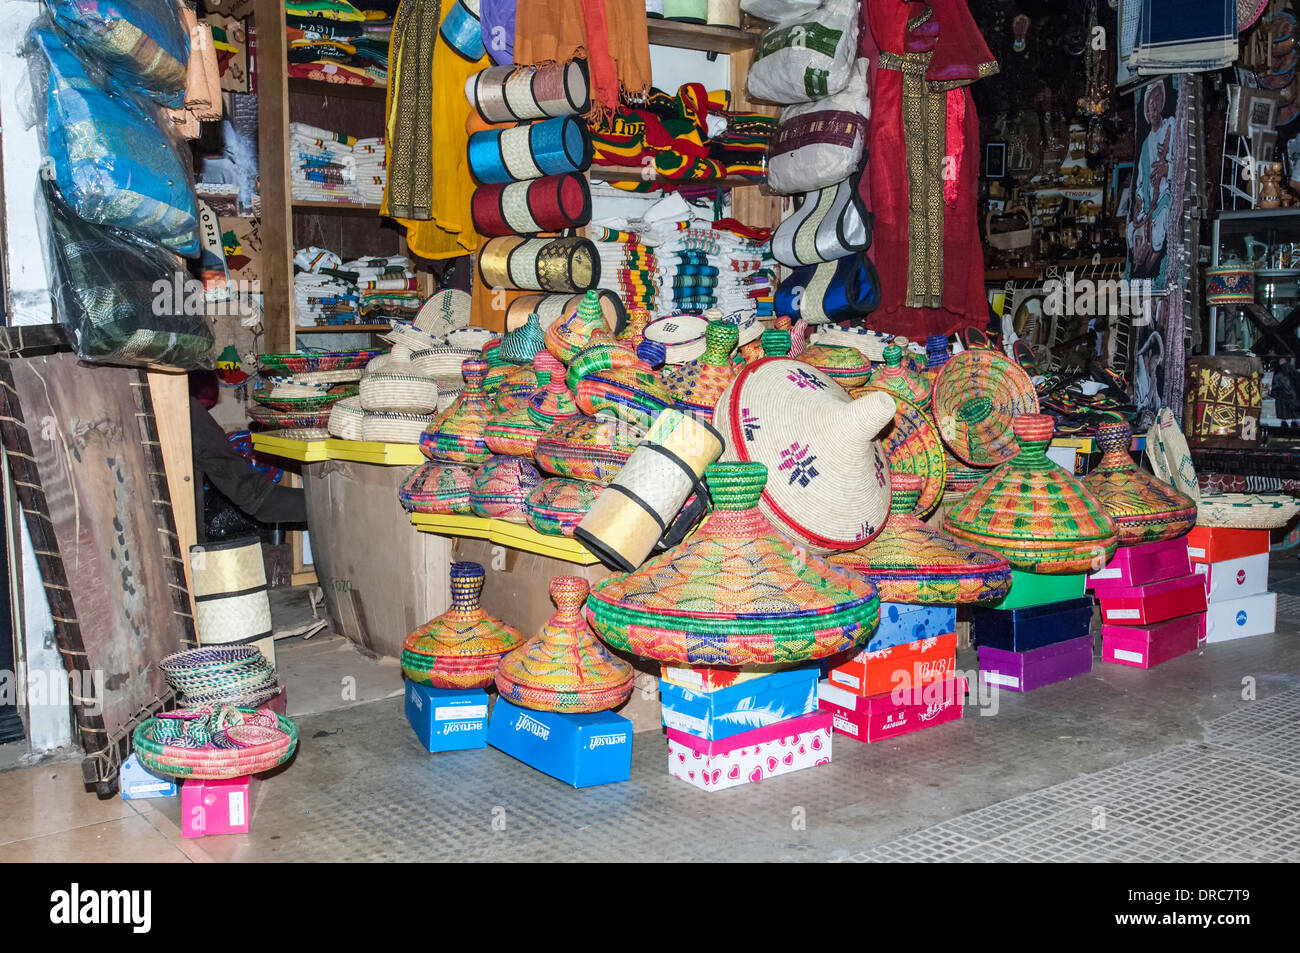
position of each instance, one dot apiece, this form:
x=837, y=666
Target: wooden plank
x=273, y=171
x=316, y=87
x=335, y=208
x=170, y=394
x=699, y=36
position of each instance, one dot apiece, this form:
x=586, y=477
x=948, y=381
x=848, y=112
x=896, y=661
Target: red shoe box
x=903, y=666
x=1154, y=602
x=1213, y=544
x=1142, y=564
x=878, y=717
x=1146, y=646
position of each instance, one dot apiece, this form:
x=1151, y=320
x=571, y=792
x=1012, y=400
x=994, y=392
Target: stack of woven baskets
x=299, y=390
x=221, y=675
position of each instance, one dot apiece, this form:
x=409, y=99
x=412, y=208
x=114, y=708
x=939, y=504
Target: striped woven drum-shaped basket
x=519, y=93
x=829, y=488
x=646, y=495
x=345, y=419
x=976, y=396
x=1034, y=513
x=551, y=204
x=389, y=427
x=587, y=448
x=736, y=592
x=443, y=362
x=501, y=488
x=539, y=264
x=442, y=488
x=399, y=393
x=530, y=151
x=844, y=365
x=231, y=604
x=564, y=667
x=558, y=505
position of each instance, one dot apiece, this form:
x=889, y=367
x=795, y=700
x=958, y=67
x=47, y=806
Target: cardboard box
x=1214, y=544
x=902, y=667
x=136, y=782
x=1234, y=578
x=1036, y=589
x=1154, y=602
x=877, y=717
x=901, y=623
x=1146, y=646
x=1025, y=671
x=753, y=756
x=731, y=711
x=580, y=750
x=701, y=678
x=1019, y=630
x=1141, y=564
x=446, y=719
x=1239, y=618
x=217, y=807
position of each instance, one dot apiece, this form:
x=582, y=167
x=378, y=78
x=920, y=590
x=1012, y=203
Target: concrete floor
x=1121, y=764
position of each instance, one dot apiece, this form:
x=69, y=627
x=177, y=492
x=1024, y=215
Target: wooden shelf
x=316, y=87
x=515, y=536
x=698, y=36
x=618, y=173
x=334, y=208
x=342, y=328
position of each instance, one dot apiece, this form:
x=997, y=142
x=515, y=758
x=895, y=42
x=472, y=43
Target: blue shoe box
x=901, y=624
x=1032, y=627
x=729, y=711
x=581, y=750
x=136, y=782
x=447, y=719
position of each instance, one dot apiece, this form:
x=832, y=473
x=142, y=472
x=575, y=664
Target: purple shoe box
x=1025, y=671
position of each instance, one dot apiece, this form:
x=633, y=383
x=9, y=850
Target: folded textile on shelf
x=327, y=166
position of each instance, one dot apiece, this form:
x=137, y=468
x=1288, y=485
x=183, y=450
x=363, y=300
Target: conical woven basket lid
x=697, y=385
x=911, y=562
x=516, y=387
x=581, y=328
x=565, y=667
x=521, y=345
x=513, y=429
x=554, y=402
x=976, y=396
x=457, y=436
x=828, y=484
x=912, y=445
x=736, y=593
x=1033, y=512
x=894, y=377
x=1145, y=510
x=464, y=630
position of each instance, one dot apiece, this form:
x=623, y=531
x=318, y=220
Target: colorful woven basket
x=437, y=488
x=530, y=150
x=910, y=562
x=736, y=593
x=587, y=448
x=1033, y=512
x=1145, y=510
x=609, y=380
x=516, y=387
x=513, y=432
x=844, y=365
x=558, y=505
x=517, y=93
x=501, y=488
x=288, y=419
x=897, y=379
x=211, y=763
x=458, y=435
x=829, y=486
x=539, y=264
x=522, y=344
x=577, y=328
x=462, y=647
x=553, y=403
x=303, y=362
x=551, y=204
x=976, y=396
x=549, y=308
x=564, y=667
x=912, y=445
x=872, y=344
x=696, y=385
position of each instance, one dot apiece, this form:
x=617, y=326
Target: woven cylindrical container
x=390, y=427
x=645, y=496
x=683, y=336
x=539, y=264
x=519, y=93
x=442, y=488
x=564, y=667
x=231, y=604
x=530, y=151
x=1145, y=510
x=399, y=393
x=516, y=387
x=473, y=338
x=551, y=204
x=553, y=403
x=550, y=308
x=501, y=488
x=697, y=385
x=976, y=396
x=1230, y=283
x=829, y=488
x=910, y=562
x=442, y=362
x=912, y=445
x=587, y=448
x=462, y=647
x=844, y=365
x=557, y=506
x=736, y=592
x=458, y=436
x=1034, y=513
x=897, y=379
x=345, y=419
x=609, y=380
x=514, y=432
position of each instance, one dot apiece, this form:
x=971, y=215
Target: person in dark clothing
x=249, y=489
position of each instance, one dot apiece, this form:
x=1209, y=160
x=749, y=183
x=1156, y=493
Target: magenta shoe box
x=1025, y=671
x=1146, y=646
x=217, y=807
x=1142, y=564
x=878, y=717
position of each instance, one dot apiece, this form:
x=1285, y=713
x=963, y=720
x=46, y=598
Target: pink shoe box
x=879, y=717
x=1235, y=578
x=787, y=746
x=217, y=807
x=1142, y=564
x=1146, y=646
x=1154, y=602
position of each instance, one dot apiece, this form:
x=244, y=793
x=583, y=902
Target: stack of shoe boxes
x=1234, y=566
x=1039, y=634
x=1152, y=604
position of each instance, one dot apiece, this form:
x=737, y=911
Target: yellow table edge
x=371, y=451
x=507, y=534
x=306, y=451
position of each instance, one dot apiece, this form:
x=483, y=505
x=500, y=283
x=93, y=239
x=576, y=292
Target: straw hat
x=829, y=486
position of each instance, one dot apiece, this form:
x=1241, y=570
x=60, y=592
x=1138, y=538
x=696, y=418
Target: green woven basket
x=215, y=764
